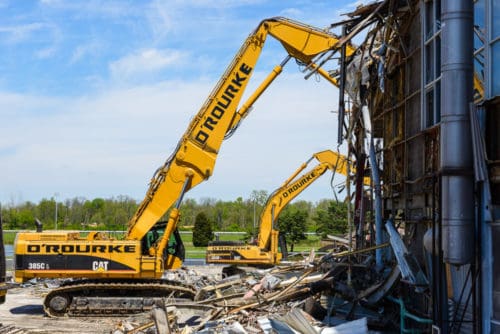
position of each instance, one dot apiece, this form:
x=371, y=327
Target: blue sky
x=94, y=96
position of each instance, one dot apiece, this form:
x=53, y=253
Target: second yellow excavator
x=267, y=250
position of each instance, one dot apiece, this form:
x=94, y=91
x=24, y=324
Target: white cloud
x=18, y=33
x=143, y=62
x=19, y=106
x=201, y=20
x=291, y=12
x=110, y=144
x=50, y=2
x=160, y=18
x=46, y=52
x=83, y=50
x=95, y=8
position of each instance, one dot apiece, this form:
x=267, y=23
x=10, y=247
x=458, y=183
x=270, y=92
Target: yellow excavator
x=112, y=276
x=269, y=242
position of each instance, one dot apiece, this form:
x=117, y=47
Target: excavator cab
x=175, y=246
x=282, y=247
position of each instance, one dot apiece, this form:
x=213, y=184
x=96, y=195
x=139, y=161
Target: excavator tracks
x=112, y=298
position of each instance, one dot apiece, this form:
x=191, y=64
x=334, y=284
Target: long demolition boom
x=194, y=158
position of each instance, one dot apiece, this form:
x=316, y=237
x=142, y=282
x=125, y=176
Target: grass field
x=192, y=252
x=8, y=238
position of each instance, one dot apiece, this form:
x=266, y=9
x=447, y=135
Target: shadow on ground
x=27, y=309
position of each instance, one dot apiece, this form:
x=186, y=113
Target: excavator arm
x=194, y=158
x=266, y=251
x=292, y=187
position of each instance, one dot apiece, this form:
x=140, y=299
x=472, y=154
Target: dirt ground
x=23, y=309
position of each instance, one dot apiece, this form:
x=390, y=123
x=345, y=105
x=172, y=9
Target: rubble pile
x=290, y=298
x=10, y=329
x=339, y=292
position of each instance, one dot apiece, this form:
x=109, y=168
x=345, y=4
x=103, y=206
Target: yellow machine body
x=267, y=251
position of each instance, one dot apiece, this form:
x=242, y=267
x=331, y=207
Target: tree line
x=323, y=217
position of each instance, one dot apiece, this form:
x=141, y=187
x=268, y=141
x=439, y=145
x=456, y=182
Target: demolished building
x=424, y=91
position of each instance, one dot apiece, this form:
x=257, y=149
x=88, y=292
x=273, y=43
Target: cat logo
x=100, y=266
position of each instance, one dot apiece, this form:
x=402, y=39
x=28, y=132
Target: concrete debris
x=299, y=321
x=352, y=327
x=283, y=299
x=11, y=330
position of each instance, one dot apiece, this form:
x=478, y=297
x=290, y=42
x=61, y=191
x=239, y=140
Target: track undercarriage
x=112, y=297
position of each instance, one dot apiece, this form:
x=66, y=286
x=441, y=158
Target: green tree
x=333, y=220
x=292, y=222
x=237, y=215
x=45, y=212
x=202, y=230
x=188, y=212
x=20, y=218
x=259, y=197
x=80, y=213
x=309, y=208
x=257, y=200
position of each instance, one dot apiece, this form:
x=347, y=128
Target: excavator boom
x=197, y=151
